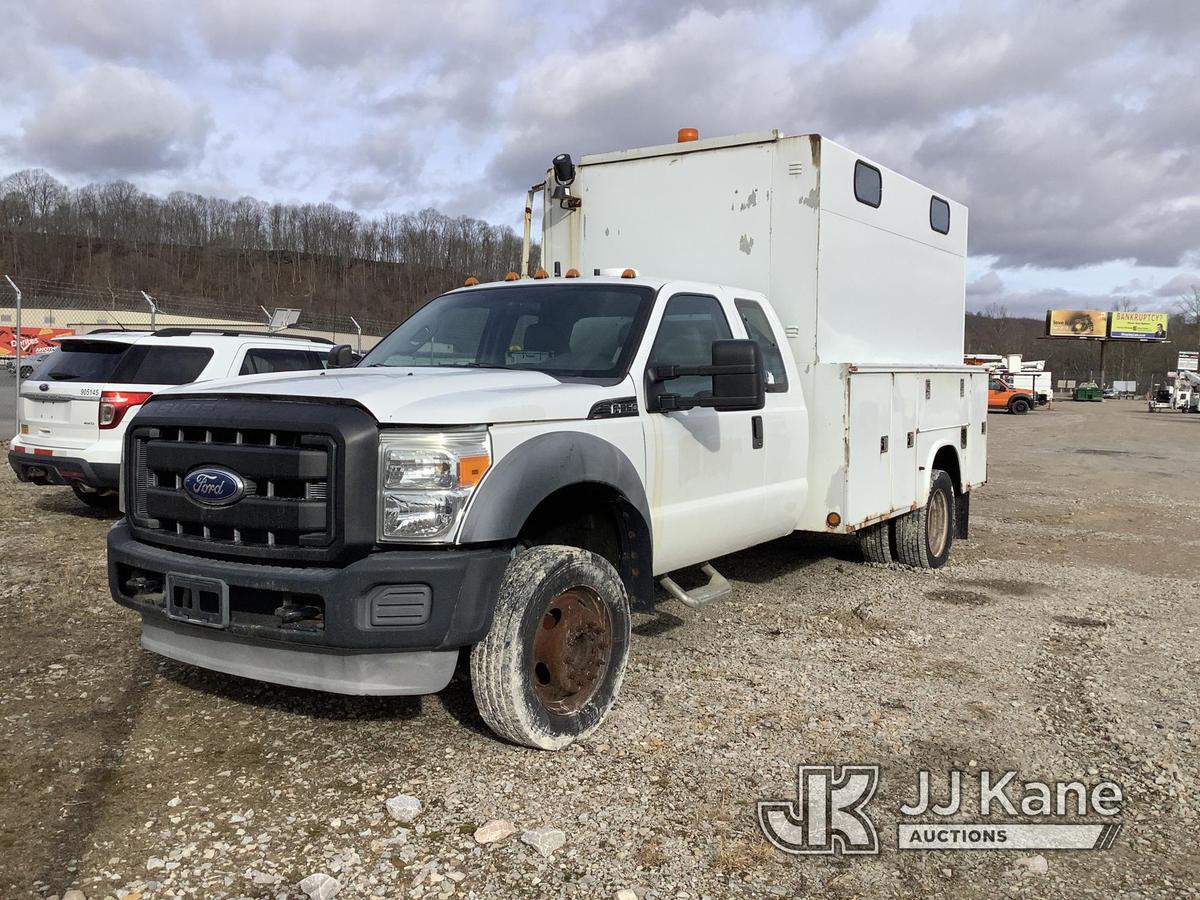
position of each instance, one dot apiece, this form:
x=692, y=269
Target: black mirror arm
x=666, y=373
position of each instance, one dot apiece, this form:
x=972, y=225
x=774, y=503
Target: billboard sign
x=1078, y=323
x=1145, y=326
x=1189, y=361
x=33, y=340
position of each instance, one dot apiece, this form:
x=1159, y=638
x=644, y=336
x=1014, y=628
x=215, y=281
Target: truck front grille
x=288, y=475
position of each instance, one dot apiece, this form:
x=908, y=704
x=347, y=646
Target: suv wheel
x=549, y=669
x=96, y=498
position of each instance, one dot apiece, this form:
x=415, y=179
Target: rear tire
x=923, y=537
x=96, y=498
x=875, y=541
x=1019, y=407
x=550, y=667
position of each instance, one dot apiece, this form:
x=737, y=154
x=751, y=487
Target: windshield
x=585, y=330
x=90, y=361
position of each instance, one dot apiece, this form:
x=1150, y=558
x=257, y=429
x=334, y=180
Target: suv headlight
x=425, y=481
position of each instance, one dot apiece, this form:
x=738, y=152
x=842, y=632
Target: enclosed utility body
x=864, y=268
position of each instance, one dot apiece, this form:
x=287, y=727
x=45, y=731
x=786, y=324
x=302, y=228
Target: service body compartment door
x=869, y=447
x=906, y=393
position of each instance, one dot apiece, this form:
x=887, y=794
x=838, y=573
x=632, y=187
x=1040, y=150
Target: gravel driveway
x=1063, y=641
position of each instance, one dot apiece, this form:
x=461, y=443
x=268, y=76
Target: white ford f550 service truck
x=513, y=468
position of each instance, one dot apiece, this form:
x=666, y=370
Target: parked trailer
x=513, y=467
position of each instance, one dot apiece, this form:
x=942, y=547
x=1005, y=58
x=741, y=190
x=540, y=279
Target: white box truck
x=514, y=467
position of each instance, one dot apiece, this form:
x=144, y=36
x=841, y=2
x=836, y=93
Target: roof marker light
x=629, y=273
x=471, y=281
x=572, y=273
x=541, y=273
x=512, y=276
x=685, y=135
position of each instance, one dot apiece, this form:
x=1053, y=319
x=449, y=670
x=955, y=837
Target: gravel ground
x=1062, y=641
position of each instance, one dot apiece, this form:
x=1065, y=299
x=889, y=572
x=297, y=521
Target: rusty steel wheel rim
x=937, y=519
x=571, y=650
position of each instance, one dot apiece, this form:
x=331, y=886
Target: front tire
x=550, y=667
x=923, y=537
x=1019, y=407
x=96, y=498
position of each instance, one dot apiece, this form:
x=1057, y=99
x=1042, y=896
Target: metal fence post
x=153, y=308
x=358, y=328
x=17, y=355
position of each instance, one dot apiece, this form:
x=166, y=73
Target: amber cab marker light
x=512, y=276
x=541, y=273
x=833, y=520
x=471, y=281
x=629, y=273
x=572, y=273
x=686, y=135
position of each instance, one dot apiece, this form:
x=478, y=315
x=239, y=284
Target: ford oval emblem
x=214, y=486
x=43, y=386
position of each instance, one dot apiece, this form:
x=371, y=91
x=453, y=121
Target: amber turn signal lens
x=687, y=134
x=471, y=469
x=833, y=520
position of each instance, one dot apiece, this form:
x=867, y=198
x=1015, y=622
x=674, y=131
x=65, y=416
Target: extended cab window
x=161, y=364
x=690, y=324
x=260, y=360
x=939, y=215
x=758, y=328
x=83, y=361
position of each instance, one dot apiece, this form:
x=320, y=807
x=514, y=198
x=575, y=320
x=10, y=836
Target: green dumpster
x=1089, y=392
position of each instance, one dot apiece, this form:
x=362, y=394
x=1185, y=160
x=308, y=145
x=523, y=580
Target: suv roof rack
x=236, y=332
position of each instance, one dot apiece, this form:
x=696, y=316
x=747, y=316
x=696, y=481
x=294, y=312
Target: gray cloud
x=116, y=29
x=116, y=120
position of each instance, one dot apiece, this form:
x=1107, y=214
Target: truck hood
x=427, y=396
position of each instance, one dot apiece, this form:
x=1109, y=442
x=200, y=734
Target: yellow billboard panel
x=1085, y=323
x=1139, y=325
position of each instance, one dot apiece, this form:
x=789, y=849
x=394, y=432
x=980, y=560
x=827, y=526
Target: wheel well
x=946, y=459
x=599, y=518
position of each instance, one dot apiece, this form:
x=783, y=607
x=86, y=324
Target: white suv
x=76, y=406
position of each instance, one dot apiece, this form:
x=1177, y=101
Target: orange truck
x=1003, y=396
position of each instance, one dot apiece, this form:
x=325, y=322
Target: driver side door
x=704, y=475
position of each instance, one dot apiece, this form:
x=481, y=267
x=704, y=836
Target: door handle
x=756, y=432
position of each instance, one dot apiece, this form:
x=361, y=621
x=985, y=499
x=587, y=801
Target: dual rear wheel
x=921, y=538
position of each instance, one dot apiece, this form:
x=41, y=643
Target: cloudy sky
x=1071, y=129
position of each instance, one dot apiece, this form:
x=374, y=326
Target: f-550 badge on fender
x=214, y=486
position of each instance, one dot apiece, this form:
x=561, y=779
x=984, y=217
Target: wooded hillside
x=313, y=256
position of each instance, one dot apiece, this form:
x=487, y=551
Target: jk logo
x=827, y=815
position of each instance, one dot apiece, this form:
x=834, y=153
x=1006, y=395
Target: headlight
x=425, y=481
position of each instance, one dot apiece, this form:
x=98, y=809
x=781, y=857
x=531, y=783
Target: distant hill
x=313, y=256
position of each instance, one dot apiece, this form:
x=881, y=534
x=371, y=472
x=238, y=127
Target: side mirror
x=738, y=376
x=340, y=357
x=736, y=371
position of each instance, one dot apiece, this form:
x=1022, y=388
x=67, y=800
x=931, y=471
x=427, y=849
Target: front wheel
x=1019, y=406
x=549, y=669
x=924, y=536
x=96, y=498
